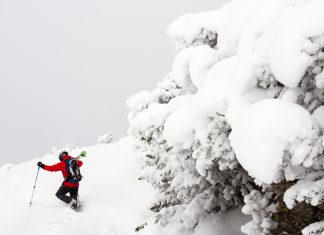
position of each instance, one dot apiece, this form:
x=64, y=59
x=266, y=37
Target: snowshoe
x=73, y=204
x=76, y=205
x=78, y=208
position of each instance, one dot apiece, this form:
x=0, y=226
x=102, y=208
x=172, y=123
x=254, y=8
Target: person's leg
x=60, y=194
x=74, y=193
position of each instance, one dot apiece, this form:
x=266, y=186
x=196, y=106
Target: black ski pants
x=63, y=190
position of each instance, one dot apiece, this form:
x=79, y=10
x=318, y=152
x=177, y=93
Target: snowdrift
x=115, y=201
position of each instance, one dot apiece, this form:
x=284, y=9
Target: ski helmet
x=62, y=155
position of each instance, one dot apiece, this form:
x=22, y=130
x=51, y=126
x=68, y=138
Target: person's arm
x=57, y=167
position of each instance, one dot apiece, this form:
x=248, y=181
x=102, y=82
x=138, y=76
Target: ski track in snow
x=114, y=201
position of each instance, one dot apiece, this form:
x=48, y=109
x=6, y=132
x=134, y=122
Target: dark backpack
x=73, y=170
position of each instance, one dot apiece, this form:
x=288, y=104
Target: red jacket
x=61, y=166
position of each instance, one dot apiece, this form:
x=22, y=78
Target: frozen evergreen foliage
x=184, y=36
x=196, y=179
x=106, y=138
x=314, y=229
x=305, y=190
x=257, y=205
x=244, y=98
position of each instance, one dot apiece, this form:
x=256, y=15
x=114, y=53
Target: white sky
x=68, y=66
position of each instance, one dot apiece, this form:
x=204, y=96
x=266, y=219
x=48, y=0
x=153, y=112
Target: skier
x=69, y=185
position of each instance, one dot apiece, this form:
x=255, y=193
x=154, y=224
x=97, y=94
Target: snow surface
x=115, y=201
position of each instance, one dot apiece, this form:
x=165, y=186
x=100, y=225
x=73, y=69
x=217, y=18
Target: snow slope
x=115, y=201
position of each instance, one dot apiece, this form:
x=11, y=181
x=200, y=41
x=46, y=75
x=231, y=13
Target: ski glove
x=41, y=165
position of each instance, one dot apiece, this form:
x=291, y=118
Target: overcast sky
x=68, y=66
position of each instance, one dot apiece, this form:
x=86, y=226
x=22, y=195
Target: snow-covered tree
x=201, y=177
x=239, y=119
x=106, y=138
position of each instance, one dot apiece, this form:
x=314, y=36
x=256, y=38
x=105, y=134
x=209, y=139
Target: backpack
x=73, y=170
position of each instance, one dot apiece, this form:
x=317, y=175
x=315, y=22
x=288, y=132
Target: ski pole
x=31, y=200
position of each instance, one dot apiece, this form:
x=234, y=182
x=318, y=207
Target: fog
x=68, y=66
